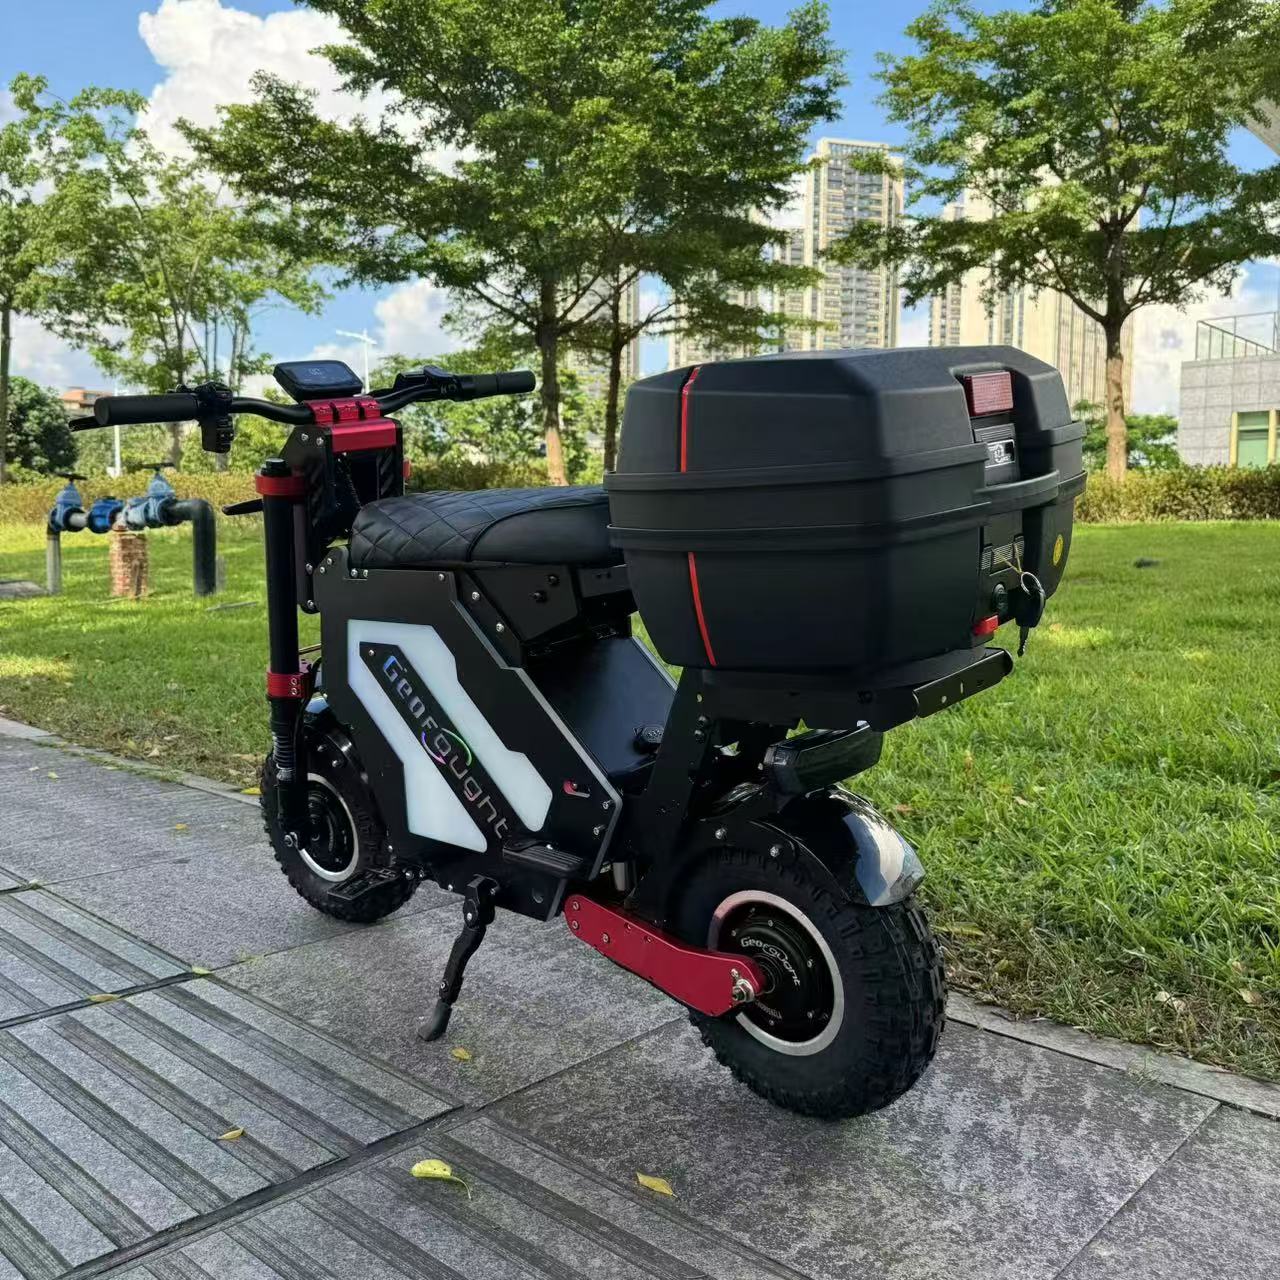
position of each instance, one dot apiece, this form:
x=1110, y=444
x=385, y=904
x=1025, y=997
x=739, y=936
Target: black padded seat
x=497, y=526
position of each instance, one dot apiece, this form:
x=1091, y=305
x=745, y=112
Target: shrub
x=1184, y=493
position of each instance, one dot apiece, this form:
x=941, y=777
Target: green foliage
x=1183, y=493
x=536, y=152
x=1152, y=438
x=1089, y=141
x=38, y=437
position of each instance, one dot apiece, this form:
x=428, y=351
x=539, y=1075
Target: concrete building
x=1045, y=324
x=857, y=307
x=594, y=370
x=684, y=349
x=852, y=307
x=1230, y=397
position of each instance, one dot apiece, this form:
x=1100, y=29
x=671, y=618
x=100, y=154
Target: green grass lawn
x=1101, y=831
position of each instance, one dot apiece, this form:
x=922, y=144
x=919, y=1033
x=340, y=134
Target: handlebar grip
x=124, y=411
x=477, y=386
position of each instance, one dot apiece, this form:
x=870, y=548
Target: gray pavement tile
x=530, y=1213
x=225, y=900
x=1002, y=1162
x=1210, y=1213
x=111, y=1116
x=8, y=881
x=53, y=954
x=535, y=999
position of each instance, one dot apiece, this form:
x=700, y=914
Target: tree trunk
x=175, y=444
x=6, y=349
x=1117, y=428
x=617, y=345
x=549, y=392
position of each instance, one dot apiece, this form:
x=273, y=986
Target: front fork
x=288, y=677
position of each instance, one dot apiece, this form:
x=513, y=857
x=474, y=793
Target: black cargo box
x=850, y=510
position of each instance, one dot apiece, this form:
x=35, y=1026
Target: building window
x=1253, y=438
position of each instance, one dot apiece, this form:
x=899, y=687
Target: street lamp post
x=367, y=342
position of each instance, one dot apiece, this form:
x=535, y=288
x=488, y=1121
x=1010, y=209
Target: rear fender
x=857, y=847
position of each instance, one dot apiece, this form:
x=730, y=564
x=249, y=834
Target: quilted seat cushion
x=504, y=526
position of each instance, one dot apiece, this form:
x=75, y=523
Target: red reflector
x=988, y=393
x=987, y=627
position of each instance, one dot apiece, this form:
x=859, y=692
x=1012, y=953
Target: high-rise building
x=686, y=349
x=857, y=307
x=1043, y=323
x=594, y=369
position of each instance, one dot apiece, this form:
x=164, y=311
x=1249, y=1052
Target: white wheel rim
x=334, y=877
x=794, y=1048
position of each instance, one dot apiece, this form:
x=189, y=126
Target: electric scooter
x=484, y=716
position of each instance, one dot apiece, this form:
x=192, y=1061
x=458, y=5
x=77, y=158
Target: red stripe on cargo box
x=684, y=415
x=697, y=608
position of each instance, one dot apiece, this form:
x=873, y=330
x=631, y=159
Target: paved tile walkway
x=1028, y=1151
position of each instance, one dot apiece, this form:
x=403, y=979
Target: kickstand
x=477, y=915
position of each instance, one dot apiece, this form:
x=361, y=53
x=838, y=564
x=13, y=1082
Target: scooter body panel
x=466, y=757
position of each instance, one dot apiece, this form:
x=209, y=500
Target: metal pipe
x=204, y=541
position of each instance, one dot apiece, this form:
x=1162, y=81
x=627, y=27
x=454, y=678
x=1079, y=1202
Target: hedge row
x=1185, y=493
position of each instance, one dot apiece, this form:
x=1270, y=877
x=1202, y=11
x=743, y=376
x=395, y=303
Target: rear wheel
x=854, y=997
x=346, y=838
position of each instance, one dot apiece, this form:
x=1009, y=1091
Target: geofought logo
x=444, y=745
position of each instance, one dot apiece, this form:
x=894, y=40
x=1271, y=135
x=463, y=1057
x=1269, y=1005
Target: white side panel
x=433, y=810
x=512, y=772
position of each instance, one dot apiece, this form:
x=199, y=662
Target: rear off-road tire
x=350, y=838
x=831, y=1044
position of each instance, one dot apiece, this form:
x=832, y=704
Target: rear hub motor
x=802, y=1006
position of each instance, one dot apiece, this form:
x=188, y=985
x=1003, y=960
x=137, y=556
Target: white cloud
x=48, y=360
x=1165, y=336
x=411, y=321
x=210, y=52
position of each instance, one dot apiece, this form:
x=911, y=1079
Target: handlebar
x=184, y=406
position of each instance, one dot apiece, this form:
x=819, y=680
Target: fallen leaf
x=962, y=930
x=1237, y=966
x=1025, y=803
x=251, y=791
x=903, y=808
x=52, y=774
x=102, y=997
x=1178, y=1005
x=180, y=826
x=462, y=1055
x=660, y=1185
x=154, y=752
x=231, y=1135
x=1250, y=997
x=200, y=971
x=441, y=1172
x=969, y=761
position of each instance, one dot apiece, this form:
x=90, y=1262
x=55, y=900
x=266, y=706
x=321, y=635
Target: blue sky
x=186, y=55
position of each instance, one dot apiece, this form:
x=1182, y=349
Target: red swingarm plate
x=713, y=982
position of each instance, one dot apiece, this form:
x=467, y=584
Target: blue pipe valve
x=103, y=515
x=150, y=511
x=66, y=504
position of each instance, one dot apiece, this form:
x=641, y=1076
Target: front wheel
x=853, y=1007
x=346, y=838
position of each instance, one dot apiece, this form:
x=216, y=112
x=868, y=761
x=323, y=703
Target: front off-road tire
x=857, y=994
x=347, y=838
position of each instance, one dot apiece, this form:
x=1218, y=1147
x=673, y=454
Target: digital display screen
x=320, y=373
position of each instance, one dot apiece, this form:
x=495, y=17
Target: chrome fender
x=854, y=843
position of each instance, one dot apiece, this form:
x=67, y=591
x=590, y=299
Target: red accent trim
x=684, y=415
x=354, y=437
x=988, y=393
x=699, y=978
x=290, y=684
x=290, y=486
x=697, y=609
x=987, y=627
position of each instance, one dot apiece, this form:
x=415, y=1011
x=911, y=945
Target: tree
x=36, y=428
x=48, y=178
x=1095, y=132
x=557, y=112
x=1150, y=439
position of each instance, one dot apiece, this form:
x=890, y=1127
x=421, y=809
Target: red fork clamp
x=291, y=684
x=355, y=424
x=713, y=982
